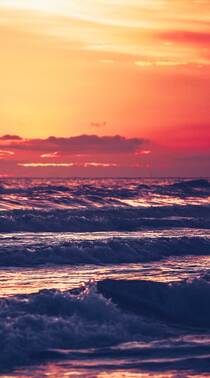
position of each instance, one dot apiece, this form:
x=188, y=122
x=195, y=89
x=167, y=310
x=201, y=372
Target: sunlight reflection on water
x=86, y=193
x=65, y=369
x=27, y=280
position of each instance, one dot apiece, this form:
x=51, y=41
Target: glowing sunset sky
x=86, y=71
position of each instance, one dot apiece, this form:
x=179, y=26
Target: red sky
x=123, y=86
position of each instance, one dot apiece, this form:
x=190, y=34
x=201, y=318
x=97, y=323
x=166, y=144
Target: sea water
x=105, y=278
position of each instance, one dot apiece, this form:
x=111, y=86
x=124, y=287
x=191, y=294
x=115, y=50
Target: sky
x=104, y=88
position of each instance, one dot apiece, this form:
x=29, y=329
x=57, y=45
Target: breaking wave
x=99, y=316
x=51, y=319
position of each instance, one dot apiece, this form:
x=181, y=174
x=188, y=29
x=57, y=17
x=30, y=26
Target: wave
x=109, y=219
x=109, y=187
x=34, y=324
x=102, y=251
x=99, y=316
x=186, y=302
x=192, y=184
x=91, y=194
x=48, y=189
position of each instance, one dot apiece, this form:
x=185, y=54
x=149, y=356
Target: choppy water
x=105, y=278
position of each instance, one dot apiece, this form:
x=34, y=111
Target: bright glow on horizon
x=67, y=165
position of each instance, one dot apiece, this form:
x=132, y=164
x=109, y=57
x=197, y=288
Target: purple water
x=106, y=277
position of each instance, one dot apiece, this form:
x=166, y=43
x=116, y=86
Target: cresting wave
x=32, y=325
x=100, y=316
x=109, y=219
x=186, y=302
x=105, y=251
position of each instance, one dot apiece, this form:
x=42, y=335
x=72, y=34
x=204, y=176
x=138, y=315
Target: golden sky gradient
x=137, y=68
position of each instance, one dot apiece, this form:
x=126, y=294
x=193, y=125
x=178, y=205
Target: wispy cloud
x=67, y=165
x=50, y=155
x=136, y=28
x=45, y=165
x=6, y=154
x=187, y=37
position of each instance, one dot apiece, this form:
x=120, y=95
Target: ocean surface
x=105, y=278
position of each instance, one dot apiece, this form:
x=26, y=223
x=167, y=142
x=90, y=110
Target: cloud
x=100, y=165
x=83, y=144
x=6, y=154
x=67, y=165
x=62, y=156
x=45, y=165
x=163, y=63
x=143, y=152
x=186, y=37
x=50, y=155
x=10, y=137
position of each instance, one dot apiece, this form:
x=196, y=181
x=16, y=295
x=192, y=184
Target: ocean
x=104, y=278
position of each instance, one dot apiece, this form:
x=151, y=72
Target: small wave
x=102, y=251
x=186, y=189
x=193, y=184
x=28, y=191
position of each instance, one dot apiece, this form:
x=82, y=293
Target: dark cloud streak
x=83, y=144
x=9, y=137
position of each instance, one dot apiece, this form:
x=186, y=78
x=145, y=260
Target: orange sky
x=134, y=68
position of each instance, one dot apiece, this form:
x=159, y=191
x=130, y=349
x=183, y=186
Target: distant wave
x=109, y=219
x=96, y=317
x=109, y=187
x=87, y=193
x=33, y=189
x=187, y=185
x=105, y=251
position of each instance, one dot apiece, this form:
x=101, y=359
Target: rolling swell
x=105, y=219
x=109, y=188
x=105, y=251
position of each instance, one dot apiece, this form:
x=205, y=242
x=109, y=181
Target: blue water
x=105, y=277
